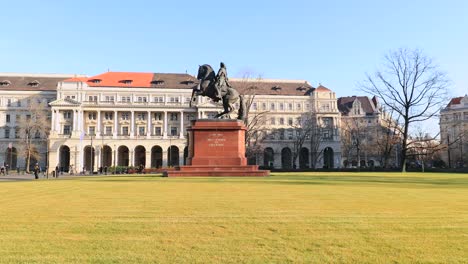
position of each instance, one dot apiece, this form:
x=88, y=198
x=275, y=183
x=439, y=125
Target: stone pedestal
x=217, y=148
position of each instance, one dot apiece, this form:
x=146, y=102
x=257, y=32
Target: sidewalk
x=28, y=177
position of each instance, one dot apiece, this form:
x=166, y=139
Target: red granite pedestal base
x=217, y=148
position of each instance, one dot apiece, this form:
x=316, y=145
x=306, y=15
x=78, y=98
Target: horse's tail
x=242, y=106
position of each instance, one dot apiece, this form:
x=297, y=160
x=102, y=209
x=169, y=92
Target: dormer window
x=96, y=81
x=34, y=83
x=157, y=82
x=301, y=88
x=276, y=88
x=188, y=82
x=5, y=83
x=126, y=81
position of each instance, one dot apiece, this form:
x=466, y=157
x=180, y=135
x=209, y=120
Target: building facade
x=17, y=93
x=369, y=135
x=133, y=119
x=454, y=132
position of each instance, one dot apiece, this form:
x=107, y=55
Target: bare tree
x=32, y=129
x=316, y=140
x=412, y=86
x=387, y=138
x=302, y=131
x=255, y=120
x=354, y=134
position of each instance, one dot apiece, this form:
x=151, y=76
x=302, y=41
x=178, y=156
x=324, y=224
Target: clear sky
x=330, y=42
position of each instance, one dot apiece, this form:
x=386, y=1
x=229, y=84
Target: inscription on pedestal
x=216, y=140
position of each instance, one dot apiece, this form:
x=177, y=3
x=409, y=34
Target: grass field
x=288, y=217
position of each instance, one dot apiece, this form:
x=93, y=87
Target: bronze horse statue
x=208, y=87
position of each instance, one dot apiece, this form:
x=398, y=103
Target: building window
x=281, y=106
x=18, y=103
x=173, y=131
x=254, y=106
x=108, y=130
x=141, y=116
x=37, y=134
x=157, y=131
x=17, y=132
x=159, y=99
x=281, y=134
x=141, y=131
x=125, y=99
x=125, y=116
x=108, y=115
x=92, y=116
x=290, y=106
x=67, y=114
x=141, y=99
x=125, y=131
x=307, y=106
x=8, y=102
x=174, y=99
x=66, y=130
x=28, y=117
x=299, y=107
x=264, y=106
x=273, y=121
x=18, y=118
x=7, y=132
x=158, y=116
x=173, y=116
x=187, y=100
x=290, y=134
x=281, y=121
x=109, y=98
x=92, y=98
x=92, y=130
x=272, y=106
x=290, y=121
x=7, y=118
x=327, y=121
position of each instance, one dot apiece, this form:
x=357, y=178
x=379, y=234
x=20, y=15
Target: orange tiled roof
x=322, y=88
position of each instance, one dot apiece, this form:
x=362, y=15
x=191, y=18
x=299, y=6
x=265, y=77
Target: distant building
x=17, y=90
x=368, y=134
x=454, y=132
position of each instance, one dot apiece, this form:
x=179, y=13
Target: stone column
x=131, y=159
x=81, y=121
x=116, y=121
x=57, y=122
x=148, y=159
x=181, y=132
x=75, y=120
x=98, y=128
x=181, y=157
x=148, y=130
x=165, y=125
x=53, y=121
x=132, y=123
x=164, y=158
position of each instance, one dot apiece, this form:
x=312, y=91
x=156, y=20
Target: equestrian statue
x=218, y=88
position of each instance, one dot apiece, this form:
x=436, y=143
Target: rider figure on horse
x=221, y=81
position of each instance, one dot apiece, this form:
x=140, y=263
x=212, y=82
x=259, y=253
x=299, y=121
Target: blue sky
x=331, y=42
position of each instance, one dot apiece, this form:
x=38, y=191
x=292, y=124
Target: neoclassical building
x=454, y=132
x=132, y=119
x=17, y=92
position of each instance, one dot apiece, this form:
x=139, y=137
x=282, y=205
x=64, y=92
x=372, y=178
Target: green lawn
x=288, y=217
